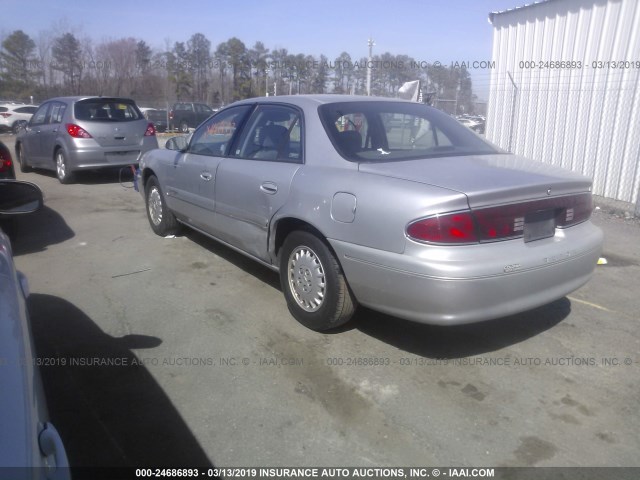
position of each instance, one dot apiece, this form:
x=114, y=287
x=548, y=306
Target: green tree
x=199, y=53
x=67, y=55
x=18, y=64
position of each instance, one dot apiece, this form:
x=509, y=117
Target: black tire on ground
x=22, y=161
x=65, y=176
x=313, y=283
x=162, y=220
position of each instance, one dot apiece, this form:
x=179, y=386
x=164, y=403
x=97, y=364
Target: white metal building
x=565, y=89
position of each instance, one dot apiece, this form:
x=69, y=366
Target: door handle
x=269, y=187
x=206, y=176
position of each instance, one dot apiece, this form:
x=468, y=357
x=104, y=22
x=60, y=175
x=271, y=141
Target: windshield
x=107, y=110
x=383, y=131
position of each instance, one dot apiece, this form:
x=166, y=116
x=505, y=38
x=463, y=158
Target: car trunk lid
x=486, y=180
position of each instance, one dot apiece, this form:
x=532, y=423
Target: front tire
x=65, y=176
x=313, y=283
x=162, y=220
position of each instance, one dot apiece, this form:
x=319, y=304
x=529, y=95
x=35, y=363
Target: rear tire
x=22, y=161
x=63, y=173
x=162, y=220
x=313, y=283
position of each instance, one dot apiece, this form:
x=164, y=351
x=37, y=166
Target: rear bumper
x=466, y=284
x=81, y=156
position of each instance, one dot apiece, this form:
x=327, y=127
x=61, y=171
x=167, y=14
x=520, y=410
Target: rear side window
x=107, y=110
x=57, y=112
x=27, y=110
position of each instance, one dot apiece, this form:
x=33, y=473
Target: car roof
x=87, y=97
x=318, y=99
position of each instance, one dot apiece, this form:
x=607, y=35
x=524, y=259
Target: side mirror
x=177, y=143
x=18, y=197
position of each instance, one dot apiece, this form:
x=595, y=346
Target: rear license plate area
x=539, y=225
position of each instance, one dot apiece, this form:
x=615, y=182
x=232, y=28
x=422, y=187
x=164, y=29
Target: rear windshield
x=107, y=110
x=384, y=131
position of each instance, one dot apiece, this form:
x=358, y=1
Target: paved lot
x=208, y=367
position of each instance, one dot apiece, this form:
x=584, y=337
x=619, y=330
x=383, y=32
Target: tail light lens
x=151, y=130
x=450, y=228
x=170, y=114
x=76, y=131
x=5, y=162
x=499, y=223
x=5, y=115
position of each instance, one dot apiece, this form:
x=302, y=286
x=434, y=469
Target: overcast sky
x=428, y=30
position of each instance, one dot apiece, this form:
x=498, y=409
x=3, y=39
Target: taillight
x=76, y=131
x=499, y=223
x=170, y=114
x=578, y=209
x=5, y=162
x=5, y=115
x=449, y=228
x=151, y=130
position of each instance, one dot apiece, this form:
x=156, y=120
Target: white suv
x=15, y=115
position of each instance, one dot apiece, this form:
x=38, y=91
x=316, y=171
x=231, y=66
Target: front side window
x=212, y=137
x=200, y=108
x=107, y=110
x=40, y=116
x=383, y=131
x=274, y=132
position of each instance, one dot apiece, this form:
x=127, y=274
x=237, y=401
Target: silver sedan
x=30, y=446
x=389, y=204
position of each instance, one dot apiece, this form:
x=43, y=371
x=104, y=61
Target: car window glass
x=273, y=133
x=57, y=111
x=41, y=115
x=106, y=110
x=386, y=131
x=213, y=136
x=406, y=132
x=353, y=129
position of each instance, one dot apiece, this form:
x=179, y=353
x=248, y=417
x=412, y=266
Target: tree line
x=197, y=71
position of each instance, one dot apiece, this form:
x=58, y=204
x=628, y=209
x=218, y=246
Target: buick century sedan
x=384, y=203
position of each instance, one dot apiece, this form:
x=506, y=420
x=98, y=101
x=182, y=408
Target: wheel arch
x=285, y=225
x=146, y=174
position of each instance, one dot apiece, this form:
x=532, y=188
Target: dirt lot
x=213, y=369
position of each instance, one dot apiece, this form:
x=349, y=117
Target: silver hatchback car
x=68, y=134
x=385, y=203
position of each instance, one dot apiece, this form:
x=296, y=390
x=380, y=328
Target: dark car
x=157, y=117
x=186, y=115
x=6, y=163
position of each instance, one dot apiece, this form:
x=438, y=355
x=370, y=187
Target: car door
x=31, y=139
x=253, y=182
x=50, y=130
x=192, y=178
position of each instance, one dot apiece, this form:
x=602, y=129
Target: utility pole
x=371, y=44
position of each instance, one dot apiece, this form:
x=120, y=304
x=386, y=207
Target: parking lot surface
x=178, y=351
